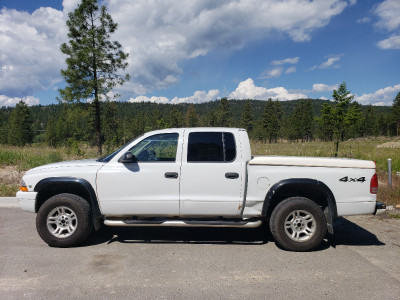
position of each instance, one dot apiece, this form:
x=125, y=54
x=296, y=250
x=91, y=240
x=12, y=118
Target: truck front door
x=149, y=186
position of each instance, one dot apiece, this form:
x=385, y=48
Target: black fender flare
x=307, y=185
x=62, y=181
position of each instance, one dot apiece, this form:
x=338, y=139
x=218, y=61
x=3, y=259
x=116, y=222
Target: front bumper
x=27, y=200
x=380, y=208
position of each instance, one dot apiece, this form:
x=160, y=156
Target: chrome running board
x=183, y=223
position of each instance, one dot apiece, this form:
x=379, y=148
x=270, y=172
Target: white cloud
x=383, y=96
x=290, y=70
x=292, y=60
x=198, y=97
x=153, y=99
x=329, y=63
x=248, y=90
x=272, y=73
x=321, y=87
x=30, y=59
x=70, y=5
x=158, y=35
x=364, y=20
x=389, y=19
x=277, y=72
x=389, y=13
x=392, y=42
x=12, y=101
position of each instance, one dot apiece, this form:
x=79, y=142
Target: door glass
x=156, y=148
x=211, y=147
x=230, y=148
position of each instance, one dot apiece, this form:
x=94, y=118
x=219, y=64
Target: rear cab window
x=211, y=147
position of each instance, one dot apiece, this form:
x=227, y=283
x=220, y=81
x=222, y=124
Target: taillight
x=374, y=184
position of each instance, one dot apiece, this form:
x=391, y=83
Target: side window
x=159, y=147
x=211, y=147
x=230, y=147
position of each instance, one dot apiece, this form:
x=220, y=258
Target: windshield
x=108, y=157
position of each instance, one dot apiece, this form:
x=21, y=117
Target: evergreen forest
x=68, y=124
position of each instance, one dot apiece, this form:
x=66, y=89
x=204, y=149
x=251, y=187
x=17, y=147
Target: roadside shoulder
x=9, y=202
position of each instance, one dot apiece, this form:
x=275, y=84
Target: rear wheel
x=298, y=224
x=64, y=220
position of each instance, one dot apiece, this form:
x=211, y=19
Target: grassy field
x=14, y=161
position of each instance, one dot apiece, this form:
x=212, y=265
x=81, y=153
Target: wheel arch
x=48, y=187
x=312, y=189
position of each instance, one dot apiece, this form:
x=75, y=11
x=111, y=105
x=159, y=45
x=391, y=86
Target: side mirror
x=128, y=157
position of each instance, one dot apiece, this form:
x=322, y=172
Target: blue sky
x=201, y=50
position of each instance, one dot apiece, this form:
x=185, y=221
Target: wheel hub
x=62, y=222
x=300, y=225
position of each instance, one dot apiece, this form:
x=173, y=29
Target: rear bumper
x=380, y=208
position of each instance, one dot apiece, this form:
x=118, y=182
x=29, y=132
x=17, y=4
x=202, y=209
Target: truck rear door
x=212, y=180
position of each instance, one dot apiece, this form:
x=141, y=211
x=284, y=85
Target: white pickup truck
x=198, y=177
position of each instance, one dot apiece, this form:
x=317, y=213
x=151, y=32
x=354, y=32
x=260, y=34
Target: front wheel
x=64, y=220
x=298, y=224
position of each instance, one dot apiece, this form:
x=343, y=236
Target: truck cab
x=177, y=172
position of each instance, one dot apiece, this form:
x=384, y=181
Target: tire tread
x=80, y=206
x=294, y=203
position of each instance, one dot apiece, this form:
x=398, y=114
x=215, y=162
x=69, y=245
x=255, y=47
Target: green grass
x=32, y=156
x=359, y=149
x=8, y=190
x=394, y=216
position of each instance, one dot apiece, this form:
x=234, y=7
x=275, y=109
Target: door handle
x=232, y=175
x=171, y=175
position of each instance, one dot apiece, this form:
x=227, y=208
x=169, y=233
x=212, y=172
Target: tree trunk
x=96, y=95
x=97, y=124
x=337, y=148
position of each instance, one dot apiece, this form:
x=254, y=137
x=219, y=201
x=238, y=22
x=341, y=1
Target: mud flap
x=329, y=219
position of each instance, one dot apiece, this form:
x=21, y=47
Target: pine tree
x=191, y=118
x=20, y=128
x=367, y=122
x=247, y=117
x=396, y=112
x=175, y=119
x=223, y=115
x=302, y=121
x=272, y=120
x=51, y=135
x=92, y=59
x=341, y=115
x=111, y=125
x=326, y=123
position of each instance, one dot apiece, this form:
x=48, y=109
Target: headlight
x=22, y=186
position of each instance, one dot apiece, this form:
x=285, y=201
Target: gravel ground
x=361, y=261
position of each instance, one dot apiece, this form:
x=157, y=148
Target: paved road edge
x=8, y=202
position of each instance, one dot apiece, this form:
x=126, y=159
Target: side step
x=184, y=223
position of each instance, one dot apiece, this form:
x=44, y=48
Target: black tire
x=298, y=224
x=65, y=220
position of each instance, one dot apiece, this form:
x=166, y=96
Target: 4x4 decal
x=347, y=179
